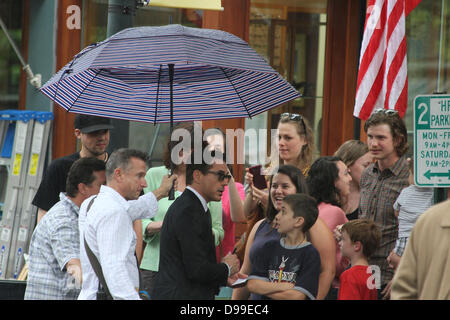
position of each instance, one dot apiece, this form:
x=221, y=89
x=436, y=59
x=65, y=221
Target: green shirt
x=150, y=260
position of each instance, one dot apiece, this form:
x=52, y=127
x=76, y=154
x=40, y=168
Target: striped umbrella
x=169, y=74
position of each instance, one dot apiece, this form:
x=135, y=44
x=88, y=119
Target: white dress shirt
x=108, y=228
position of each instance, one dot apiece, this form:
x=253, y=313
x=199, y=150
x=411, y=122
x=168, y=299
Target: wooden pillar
x=233, y=19
x=68, y=43
x=341, y=71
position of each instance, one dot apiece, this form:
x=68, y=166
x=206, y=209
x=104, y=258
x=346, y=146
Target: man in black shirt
x=93, y=133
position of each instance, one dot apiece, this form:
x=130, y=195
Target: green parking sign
x=432, y=140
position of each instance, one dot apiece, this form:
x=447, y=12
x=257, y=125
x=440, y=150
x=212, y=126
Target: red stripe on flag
x=374, y=92
x=372, y=46
x=410, y=5
x=402, y=100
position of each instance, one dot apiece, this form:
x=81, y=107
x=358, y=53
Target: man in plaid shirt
x=54, y=268
x=381, y=183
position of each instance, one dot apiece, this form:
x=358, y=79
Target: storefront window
x=144, y=136
x=428, y=45
x=290, y=36
x=10, y=67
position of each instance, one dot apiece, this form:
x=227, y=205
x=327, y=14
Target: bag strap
x=94, y=261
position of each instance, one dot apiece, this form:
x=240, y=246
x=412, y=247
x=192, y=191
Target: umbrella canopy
x=216, y=76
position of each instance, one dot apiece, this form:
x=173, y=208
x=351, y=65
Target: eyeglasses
x=294, y=117
x=220, y=175
x=386, y=111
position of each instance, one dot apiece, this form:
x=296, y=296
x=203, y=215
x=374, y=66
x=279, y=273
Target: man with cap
x=93, y=133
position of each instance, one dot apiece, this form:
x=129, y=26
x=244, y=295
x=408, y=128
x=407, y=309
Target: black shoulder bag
x=102, y=292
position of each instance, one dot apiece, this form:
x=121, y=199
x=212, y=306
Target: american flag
x=382, y=76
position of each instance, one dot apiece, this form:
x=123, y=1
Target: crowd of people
x=348, y=226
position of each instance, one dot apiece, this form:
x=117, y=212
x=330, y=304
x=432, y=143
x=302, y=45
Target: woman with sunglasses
x=288, y=180
x=152, y=227
x=295, y=147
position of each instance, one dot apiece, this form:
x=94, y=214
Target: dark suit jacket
x=187, y=265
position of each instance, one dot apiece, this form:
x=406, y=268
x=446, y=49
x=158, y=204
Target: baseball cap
x=88, y=124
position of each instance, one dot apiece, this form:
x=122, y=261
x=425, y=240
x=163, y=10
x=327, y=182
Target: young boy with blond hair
x=288, y=269
x=360, y=238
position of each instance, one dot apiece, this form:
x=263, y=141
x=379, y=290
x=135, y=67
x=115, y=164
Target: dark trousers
x=148, y=280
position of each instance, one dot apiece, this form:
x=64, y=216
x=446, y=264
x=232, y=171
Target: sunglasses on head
x=386, y=111
x=220, y=175
x=294, y=117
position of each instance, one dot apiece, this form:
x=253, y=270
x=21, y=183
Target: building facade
x=313, y=44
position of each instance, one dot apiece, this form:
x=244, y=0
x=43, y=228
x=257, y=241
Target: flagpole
x=438, y=86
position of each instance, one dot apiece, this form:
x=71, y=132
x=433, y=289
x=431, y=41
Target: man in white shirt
x=106, y=223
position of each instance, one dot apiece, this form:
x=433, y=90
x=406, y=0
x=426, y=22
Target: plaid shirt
x=379, y=190
x=54, y=242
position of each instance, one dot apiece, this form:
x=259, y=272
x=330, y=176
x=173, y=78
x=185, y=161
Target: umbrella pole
x=171, y=67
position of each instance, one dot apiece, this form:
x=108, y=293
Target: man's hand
x=337, y=232
x=386, y=293
x=73, y=268
x=233, y=262
x=166, y=184
x=234, y=278
x=393, y=259
x=153, y=227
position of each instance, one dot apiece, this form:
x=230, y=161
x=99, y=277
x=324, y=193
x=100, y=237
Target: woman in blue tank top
x=287, y=180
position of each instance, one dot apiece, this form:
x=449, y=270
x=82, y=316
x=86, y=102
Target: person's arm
x=137, y=226
x=153, y=227
x=236, y=204
x=73, y=267
x=243, y=293
x=404, y=283
x=265, y=288
x=215, y=209
x=40, y=214
x=322, y=239
x=290, y=294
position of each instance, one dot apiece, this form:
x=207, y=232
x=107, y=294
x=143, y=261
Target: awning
x=188, y=4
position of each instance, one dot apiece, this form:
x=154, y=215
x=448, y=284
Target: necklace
x=106, y=157
x=296, y=246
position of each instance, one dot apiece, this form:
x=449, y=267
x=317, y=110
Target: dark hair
x=204, y=165
x=121, y=158
x=321, y=180
x=215, y=131
x=189, y=126
x=364, y=231
x=298, y=180
x=395, y=123
x=304, y=206
x=82, y=171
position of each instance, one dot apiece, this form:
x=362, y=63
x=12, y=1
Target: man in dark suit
x=188, y=268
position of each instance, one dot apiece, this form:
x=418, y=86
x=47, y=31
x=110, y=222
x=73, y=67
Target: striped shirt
x=54, y=242
x=379, y=190
x=411, y=203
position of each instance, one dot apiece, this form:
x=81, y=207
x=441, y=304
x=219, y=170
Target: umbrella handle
x=172, y=193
